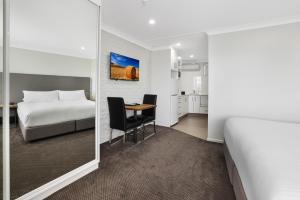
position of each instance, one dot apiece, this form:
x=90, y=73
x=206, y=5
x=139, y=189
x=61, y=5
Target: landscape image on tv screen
x=124, y=68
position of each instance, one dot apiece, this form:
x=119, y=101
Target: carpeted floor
x=168, y=166
x=36, y=163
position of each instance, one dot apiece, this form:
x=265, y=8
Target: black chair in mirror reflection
x=120, y=121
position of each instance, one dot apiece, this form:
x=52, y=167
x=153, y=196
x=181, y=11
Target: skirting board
x=61, y=182
x=215, y=140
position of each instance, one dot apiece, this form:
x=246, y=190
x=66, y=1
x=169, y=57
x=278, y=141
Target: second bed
x=263, y=159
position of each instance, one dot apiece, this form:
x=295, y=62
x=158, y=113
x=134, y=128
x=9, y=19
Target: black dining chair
x=118, y=117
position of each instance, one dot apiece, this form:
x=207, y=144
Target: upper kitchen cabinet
x=174, y=60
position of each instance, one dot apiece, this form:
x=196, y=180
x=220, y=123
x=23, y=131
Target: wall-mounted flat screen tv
x=124, y=68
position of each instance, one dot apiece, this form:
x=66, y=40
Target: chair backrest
x=149, y=99
x=117, y=113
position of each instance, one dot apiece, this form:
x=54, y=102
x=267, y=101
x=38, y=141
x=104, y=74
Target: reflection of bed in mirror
x=46, y=116
x=45, y=119
x=55, y=135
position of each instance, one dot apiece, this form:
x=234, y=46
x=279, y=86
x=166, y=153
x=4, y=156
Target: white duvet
x=45, y=113
x=267, y=157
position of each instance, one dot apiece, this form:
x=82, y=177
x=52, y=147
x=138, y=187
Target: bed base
x=234, y=176
x=41, y=132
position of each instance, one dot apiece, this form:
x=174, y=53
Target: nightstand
x=12, y=112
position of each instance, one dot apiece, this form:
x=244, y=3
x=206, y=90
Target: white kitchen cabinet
x=191, y=103
x=174, y=109
x=174, y=61
x=182, y=105
x=198, y=104
x=203, y=110
x=186, y=105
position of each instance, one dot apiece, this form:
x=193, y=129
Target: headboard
x=35, y=82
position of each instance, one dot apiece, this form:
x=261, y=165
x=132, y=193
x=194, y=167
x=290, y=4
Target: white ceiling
x=64, y=26
x=181, y=17
x=56, y=26
x=196, y=44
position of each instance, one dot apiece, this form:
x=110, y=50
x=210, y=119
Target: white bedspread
x=267, y=157
x=45, y=113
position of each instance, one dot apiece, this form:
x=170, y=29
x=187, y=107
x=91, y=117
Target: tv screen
x=124, y=68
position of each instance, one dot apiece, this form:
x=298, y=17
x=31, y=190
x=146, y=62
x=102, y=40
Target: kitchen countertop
x=193, y=95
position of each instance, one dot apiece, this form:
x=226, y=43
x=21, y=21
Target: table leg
x=135, y=130
x=135, y=115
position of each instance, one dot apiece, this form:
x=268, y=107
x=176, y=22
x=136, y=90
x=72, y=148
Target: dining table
x=135, y=109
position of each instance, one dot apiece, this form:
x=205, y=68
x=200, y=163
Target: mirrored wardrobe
x=1, y=99
x=53, y=59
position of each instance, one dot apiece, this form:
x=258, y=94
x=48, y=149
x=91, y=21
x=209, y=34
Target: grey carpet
x=169, y=166
x=1, y=162
x=36, y=163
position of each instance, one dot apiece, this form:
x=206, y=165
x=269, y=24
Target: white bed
x=266, y=155
x=34, y=114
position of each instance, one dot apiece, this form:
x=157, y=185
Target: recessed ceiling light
x=152, y=21
x=178, y=44
x=82, y=48
x=192, y=56
x=145, y=2
x=179, y=58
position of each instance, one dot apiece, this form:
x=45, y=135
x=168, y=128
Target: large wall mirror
x=1, y=99
x=53, y=67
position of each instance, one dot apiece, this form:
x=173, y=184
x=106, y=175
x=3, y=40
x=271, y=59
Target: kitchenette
x=192, y=88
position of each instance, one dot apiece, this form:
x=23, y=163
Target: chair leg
x=124, y=137
x=144, y=131
x=110, y=136
x=154, y=127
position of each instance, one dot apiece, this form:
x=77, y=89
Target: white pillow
x=76, y=95
x=40, y=96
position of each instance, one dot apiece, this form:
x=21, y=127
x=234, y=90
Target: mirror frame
x=70, y=177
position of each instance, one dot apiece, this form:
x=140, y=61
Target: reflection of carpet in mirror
x=36, y=163
x=1, y=161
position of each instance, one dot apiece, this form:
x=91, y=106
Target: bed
x=61, y=115
x=44, y=114
x=262, y=158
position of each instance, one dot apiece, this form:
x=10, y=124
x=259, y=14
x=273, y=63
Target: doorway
x=192, y=81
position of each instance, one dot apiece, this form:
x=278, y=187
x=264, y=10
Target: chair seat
x=143, y=118
x=132, y=123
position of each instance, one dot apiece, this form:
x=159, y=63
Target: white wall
x=161, y=85
x=36, y=62
x=131, y=91
x=186, y=81
x=254, y=73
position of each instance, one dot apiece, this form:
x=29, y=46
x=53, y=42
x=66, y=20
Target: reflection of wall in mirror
x=36, y=62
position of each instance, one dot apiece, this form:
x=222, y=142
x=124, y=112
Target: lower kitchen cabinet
x=182, y=105
x=198, y=104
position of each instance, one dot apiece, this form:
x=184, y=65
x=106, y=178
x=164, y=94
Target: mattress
x=266, y=155
x=47, y=113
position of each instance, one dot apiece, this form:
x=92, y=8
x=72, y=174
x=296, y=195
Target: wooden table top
x=139, y=107
x=10, y=106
